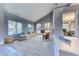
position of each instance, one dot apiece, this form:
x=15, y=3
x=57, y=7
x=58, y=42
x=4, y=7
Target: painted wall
x=77, y=24
x=9, y=16
x=47, y=18
x=1, y=22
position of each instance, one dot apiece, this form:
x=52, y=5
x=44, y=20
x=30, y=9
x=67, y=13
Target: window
x=30, y=28
x=19, y=27
x=14, y=27
x=11, y=27
x=47, y=27
x=38, y=28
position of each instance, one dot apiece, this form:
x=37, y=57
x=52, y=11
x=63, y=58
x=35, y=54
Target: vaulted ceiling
x=31, y=11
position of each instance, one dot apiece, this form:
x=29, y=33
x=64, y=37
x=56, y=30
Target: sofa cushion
x=16, y=35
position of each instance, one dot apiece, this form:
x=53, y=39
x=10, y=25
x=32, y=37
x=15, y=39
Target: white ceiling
x=30, y=11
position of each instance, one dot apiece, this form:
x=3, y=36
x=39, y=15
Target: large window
x=14, y=27
x=47, y=27
x=30, y=28
x=11, y=27
x=19, y=27
x=38, y=28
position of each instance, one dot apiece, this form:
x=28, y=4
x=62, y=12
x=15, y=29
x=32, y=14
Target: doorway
x=68, y=23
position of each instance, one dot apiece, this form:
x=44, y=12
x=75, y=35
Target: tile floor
x=36, y=47
x=6, y=50
x=33, y=47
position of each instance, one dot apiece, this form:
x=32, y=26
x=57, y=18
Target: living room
x=29, y=29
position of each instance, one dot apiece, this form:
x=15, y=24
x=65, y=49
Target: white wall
x=1, y=22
